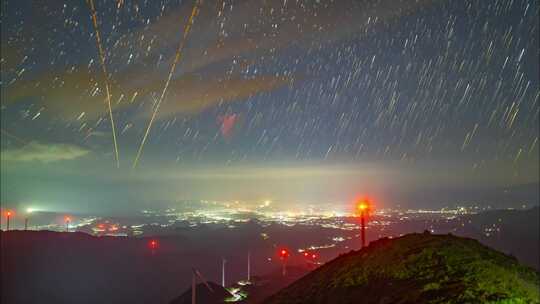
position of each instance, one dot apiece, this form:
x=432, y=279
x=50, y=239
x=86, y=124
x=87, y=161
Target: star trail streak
x=177, y=57
x=105, y=77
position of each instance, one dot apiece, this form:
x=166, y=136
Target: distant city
x=342, y=226
x=193, y=214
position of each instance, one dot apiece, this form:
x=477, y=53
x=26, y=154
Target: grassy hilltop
x=417, y=268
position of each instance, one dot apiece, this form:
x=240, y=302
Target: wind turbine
x=223, y=262
x=196, y=274
x=67, y=219
x=249, y=266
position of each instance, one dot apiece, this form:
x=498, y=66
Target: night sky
x=304, y=102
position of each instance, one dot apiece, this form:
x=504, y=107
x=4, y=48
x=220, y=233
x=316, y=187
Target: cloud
x=70, y=94
x=252, y=33
x=45, y=153
x=191, y=95
x=278, y=171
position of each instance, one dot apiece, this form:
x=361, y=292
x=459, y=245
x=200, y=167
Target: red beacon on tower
x=8, y=217
x=363, y=208
x=284, y=255
x=311, y=258
x=153, y=245
x=67, y=220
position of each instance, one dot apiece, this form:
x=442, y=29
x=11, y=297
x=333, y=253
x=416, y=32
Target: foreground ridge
x=417, y=268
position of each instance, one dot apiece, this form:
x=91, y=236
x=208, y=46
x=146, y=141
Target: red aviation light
x=153, y=244
x=364, y=206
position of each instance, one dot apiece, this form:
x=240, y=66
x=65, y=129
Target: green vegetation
x=418, y=268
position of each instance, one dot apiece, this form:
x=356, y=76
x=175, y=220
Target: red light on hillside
x=8, y=213
x=314, y=256
x=153, y=244
x=283, y=253
x=67, y=219
x=306, y=254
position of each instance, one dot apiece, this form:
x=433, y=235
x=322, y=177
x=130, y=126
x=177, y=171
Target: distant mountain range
x=417, y=268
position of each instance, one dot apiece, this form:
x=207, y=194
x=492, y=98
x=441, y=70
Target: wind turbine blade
x=203, y=280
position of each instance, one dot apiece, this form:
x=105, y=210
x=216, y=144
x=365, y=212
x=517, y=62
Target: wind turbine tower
x=223, y=262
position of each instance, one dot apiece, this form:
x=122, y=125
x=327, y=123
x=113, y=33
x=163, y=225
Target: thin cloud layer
x=45, y=153
x=74, y=95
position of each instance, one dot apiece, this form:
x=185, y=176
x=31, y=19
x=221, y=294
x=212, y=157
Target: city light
x=30, y=210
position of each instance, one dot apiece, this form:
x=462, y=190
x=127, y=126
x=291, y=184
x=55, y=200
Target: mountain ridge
x=417, y=268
